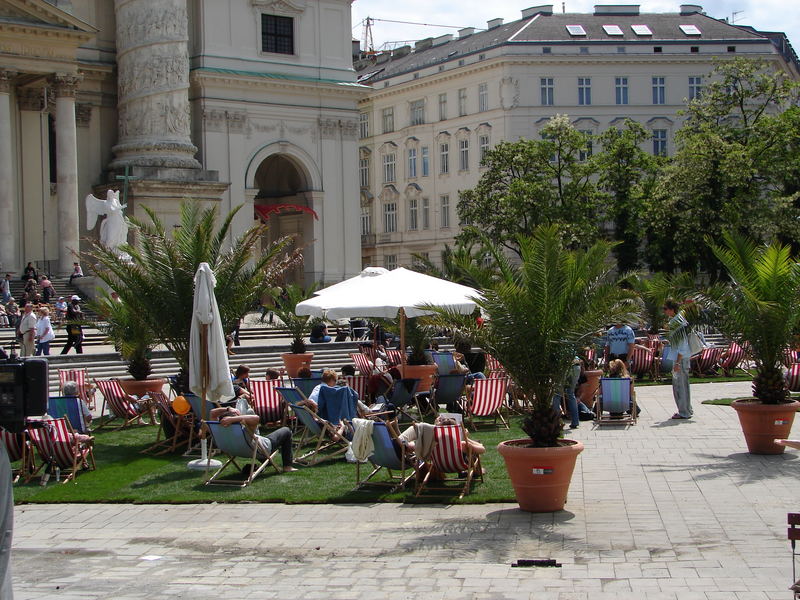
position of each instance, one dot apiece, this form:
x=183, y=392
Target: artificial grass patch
x=125, y=475
x=667, y=379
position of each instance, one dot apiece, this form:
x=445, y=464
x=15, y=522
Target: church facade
x=247, y=102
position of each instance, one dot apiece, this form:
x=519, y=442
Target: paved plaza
x=664, y=509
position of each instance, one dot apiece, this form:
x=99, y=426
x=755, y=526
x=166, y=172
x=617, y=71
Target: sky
x=766, y=15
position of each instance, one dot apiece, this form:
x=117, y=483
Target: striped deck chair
x=445, y=363
x=486, y=400
x=58, y=447
x=316, y=430
x=121, y=405
x=494, y=368
x=236, y=442
x=362, y=363
x=642, y=362
x=306, y=384
x=731, y=359
x=448, y=457
x=18, y=449
x=793, y=378
x=391, y=455
x=359, y=384
x=367, y=350
x=68, y=407
x=789, y=357
x=449, y=390
x=267, y=403
x=175, y=427
x=705, y=362
x=394, y=357
x=81, y=377
x=616, y=400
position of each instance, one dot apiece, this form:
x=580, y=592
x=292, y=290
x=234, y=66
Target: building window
x=363, y=125
x=426, y=162
x=426, y=213
x=731, y=48
x=389, y=168
x=366, y=221
x=547, y=50
x=547, y=91
x=390, y=262
x=660, y=142
x=483, y=97
x=694, y=49
x=363, y=172
x=462, y=102
x=463, y=155
x=621, y=89
x=695, y=87
x=586, y=151
x=584, y=91
x=442, y=107
x=277, y=34
x=388, y=119
x=659, y=90
x=444, y=158
x=412, y=214
x=584, y=50
x=444, y=211
x=483, y=147
x=621, y=49
x=412, y=162
x=417, y=112
x=390, y=217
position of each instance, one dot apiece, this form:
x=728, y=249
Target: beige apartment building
x=436, y=108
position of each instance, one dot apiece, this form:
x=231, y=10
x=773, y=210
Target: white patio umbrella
x=368, y=272
x=209, y=371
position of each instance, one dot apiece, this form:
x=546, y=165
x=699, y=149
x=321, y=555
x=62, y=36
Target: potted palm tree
x=759, y=309
x=538, y=313
x=299, y=326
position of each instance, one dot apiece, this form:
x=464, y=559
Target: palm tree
x=157, y=283
x=129, y=333
x=655, y=288
x=298, y=326
x=465, y=264
x=539, y=313
x=759, y=306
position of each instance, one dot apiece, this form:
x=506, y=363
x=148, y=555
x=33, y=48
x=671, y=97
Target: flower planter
x=764, y=423
x=295, y=362
x=425, y=374
x=138, y=388
x=540, y=476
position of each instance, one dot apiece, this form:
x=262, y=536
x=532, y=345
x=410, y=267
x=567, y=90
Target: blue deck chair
x=391, y=455
x=337, y=404
x=306, y=384
x=314, y=429
x=617, y=400
x=68, y=407
x=235, y=442
x=197, y=406
x=449, y=390
x=403, y=394
x=445, y=362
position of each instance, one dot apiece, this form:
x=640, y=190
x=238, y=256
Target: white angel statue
x=114, y=228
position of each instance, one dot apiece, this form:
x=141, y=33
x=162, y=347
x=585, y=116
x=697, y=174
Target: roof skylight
x=576, y=29
x=641, y=30
x=612, y=30
x=690, y=29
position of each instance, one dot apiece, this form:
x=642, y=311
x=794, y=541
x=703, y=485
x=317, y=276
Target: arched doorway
x=283, y=203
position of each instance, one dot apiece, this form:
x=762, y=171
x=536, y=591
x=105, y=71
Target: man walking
x=74, y=330
x=27, y=331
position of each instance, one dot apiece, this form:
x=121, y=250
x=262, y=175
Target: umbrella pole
x=204, y=462
x=403, y=341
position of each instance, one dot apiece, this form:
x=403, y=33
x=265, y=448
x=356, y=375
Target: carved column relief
x=153, y=84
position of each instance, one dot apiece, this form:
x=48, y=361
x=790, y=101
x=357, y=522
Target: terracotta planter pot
x=295, y=362
x=425, y=374
x=139, y=388
x=588, y=390
x=763, y=423
x=540, y=476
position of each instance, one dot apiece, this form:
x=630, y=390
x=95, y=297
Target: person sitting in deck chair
x=280, y=438
x=71, y=389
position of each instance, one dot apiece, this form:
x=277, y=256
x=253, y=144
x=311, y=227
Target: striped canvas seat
x=359, y=384
x=394, y=357
x=236, y=442
x=388, y=455
x=81, y=377
x=362, y=363
x=175, y=427
x=58, y=447
x=732, y=358
x=445, y=362
x=789, y=357
x=17, y=449
x=494, y=367
x=120, y=404
x=641, y=361
x=315, y=430
x=616, y=403
x=793, y=378
x=268, y=404
x=705, y=362
x=448, y=457
x=487, y=399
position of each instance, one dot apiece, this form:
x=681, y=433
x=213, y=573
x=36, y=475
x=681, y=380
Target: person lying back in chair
x=280, y=438
x=409, y=436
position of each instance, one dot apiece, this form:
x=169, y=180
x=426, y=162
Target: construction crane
x=368, y=42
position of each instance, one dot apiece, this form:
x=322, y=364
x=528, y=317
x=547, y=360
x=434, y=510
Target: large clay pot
x=138, y=388
x=762, y=423
x=425, y=374
x=587, y=390
x=295, y=362
x=540, y=476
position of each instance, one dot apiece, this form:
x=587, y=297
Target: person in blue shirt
x=619, y=342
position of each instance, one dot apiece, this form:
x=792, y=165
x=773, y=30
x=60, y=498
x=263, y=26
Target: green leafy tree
x=533, y=182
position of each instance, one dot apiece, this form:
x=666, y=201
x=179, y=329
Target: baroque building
x=243, y=102
x=436, y=108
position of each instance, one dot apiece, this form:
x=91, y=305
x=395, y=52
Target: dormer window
x=277, y=34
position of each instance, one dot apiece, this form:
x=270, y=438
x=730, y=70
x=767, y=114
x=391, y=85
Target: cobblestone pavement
x=665, y=509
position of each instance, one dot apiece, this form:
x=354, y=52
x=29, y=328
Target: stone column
x=66, y=171
x=153, y=85
x=8, y=234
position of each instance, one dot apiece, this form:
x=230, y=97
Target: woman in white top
x=44, y=332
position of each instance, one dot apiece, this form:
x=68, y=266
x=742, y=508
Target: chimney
x=356, y=45
x=401, y=51
x=466, y=32
x=616, y=9
x=442, y=39
x=494, y=23
x=423, y=44
x=544, y=9
x=690, y=9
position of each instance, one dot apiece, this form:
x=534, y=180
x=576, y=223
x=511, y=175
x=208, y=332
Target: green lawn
x=125, y=475
x=666, y=379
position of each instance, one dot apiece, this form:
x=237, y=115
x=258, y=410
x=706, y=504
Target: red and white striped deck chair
x=789, y=357
x=732, y=359
x=367, y=350
x=121, y=405
x=59, y=447
x=17, y=449
x=359, y=384
x=494, y=367
x=704, y=363
x=394, y=357
x=793, y=378
x=81, y=377
x=642, y=362
x=487, y=400
x=448, y=457
x=267, y=403
x=362, y=363
x=175, y=427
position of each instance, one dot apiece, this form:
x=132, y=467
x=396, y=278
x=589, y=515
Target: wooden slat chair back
x=306, y=384
x=705, y=362
x=793, y=533
x=235, y=442
x=447, y=456
x=445, y=362
x=642, y=362
x=733, y=357
x=68, y=407
x=80, y=377
x=58, y=447
x=487, y=400
x=359, y=384
x=386, y=457
x=449, y=390
x=363, y=364
x=175, y=427
x=120, y=404
x=617, y=400
x=315, y=430
x=18, y=449
x=268, y=404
